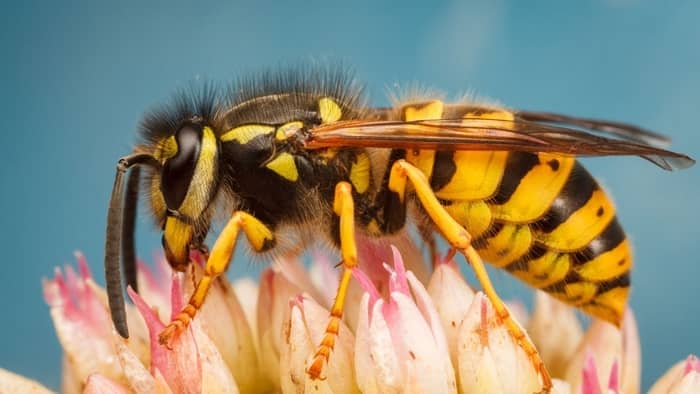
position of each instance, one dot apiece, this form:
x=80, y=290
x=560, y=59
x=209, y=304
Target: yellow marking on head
x=166, y=149
x=474, y=215
x=243, y=134
x=536, y=190
x=288, y=129
x=582, y=226
x=156, y=198
x=284, y=166
x=329, y=110
x=477, y=177
x=360, y=173
x=510, y=244
x=608, y=265
x=198, y=192
x=177, y=235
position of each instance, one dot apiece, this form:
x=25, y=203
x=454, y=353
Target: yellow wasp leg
x=260, y=238
x=459, y=239
x=344, y=208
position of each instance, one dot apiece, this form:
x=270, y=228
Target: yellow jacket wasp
x=301, y=149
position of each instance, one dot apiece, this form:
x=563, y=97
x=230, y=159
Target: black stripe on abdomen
x=577, y=190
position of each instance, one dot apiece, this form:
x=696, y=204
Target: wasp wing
x=617, y=129
x=479, y=133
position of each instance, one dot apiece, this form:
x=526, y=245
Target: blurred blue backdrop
x=76, y=77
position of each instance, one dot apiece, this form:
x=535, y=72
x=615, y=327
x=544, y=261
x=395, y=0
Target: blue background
x=77, y=76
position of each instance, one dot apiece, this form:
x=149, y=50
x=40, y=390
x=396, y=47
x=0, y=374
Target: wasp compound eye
x=179, y=169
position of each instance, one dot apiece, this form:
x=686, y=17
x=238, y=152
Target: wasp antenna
x=113, y=241
x=129, y=228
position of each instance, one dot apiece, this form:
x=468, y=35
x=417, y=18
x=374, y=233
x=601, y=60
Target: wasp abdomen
x=542, y=217
x=558, y=233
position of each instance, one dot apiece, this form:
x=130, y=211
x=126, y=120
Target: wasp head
x=185, y=188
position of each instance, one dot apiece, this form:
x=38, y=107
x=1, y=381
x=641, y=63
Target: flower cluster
x=405, y=330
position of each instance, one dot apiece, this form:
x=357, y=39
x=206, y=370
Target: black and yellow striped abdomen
x=542, y=217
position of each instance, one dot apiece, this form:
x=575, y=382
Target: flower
x=684, y=377
x=400, y=343
x=405, y=329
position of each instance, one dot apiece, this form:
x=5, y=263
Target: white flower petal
x=216, y=377
x=555, y=331
x=98, y=384
x=139, y=378
x=604, y=341
x=275, y=291
x=303, y=331
x=69, y=380
x=246, y=290
x=483, y=337
x=631, y=374
x=689, y=384
x=422, y=352
x=560, y=387
x=387, y=367
x=13, y=383
x=223, y=320
x=451, y=296
x=364, y=361
x=683, y=377
x=479, y=373
x=432, y=318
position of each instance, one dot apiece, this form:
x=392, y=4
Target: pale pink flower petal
x=82, y=324
x=303, y=330
x=275, y=291
x=590, y=383
x=180, y=365
x=69, y=381
x=216, y=377
x=324, y=277
x=400, y=344
x=98, y=384
x=631, y=364
x=155, y=286
x=682, y=378
x=139, y=378
x=376, y=364
x=246, y=290
x=489, y=360
x=608, y=346
x=13, y=383
x=223, y=321
x=555, y=331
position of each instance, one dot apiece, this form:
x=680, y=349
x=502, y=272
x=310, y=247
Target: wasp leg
x=459, y=239
x=260, y=238
x=344, y=207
